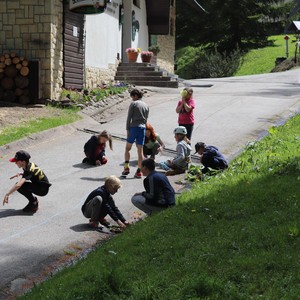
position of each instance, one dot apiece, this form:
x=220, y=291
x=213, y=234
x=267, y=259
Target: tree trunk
x=7, y=61
x=14, y=80
x=24, y=99
x=18, y=92
x=16, y=60
x=24, y=71
x=21, y=81
x=7, y=83
x=9, y=96
x=11, y=71
x=18, y=66
x=25, y=63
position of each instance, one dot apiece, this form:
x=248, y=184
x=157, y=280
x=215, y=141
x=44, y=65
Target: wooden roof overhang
x=158, y=16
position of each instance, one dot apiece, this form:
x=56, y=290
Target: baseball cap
x=20, y=155
x=198, y=146
x=181, y=130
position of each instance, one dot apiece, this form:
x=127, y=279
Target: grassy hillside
x=259, y=61
x=235, y=236
x=192, y=62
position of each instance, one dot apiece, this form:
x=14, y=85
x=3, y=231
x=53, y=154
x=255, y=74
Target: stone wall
x=94, y=76
x=165, y=58
x=57, y=66
x=26, y=28
x=166, y=43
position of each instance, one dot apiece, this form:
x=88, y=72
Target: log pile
x=14, y=80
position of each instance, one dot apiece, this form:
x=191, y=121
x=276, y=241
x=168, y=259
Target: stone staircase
x=145, y=74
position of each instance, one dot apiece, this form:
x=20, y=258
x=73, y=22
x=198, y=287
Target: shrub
x=86, y=96
x=186, y=58
x=154, y=48
x=200, y=63
x=216, y=65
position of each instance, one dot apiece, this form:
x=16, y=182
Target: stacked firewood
x=14, y=80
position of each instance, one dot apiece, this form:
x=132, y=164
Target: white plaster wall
x=103, y=37
x=141, y=38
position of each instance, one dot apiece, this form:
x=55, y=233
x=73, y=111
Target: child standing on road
x=153, y=143
x=183, y=154
x=185, y=110
x=33, y=181
x=94, y=149
x=136, y=128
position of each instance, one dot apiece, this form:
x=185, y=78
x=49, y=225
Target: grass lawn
x=234, y=236
x=259, y=61
x=14, y=133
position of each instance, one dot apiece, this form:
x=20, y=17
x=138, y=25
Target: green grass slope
x=262, y=60
x=235, y=236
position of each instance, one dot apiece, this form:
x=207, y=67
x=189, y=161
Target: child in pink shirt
x=185, y=110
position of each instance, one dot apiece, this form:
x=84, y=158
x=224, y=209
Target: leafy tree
x=229, y=24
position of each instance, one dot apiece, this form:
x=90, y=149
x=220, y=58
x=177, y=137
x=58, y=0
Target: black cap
x=198, y=146
x=20, y=155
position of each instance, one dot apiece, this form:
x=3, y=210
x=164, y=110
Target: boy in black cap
x=211, y=157
x=33, y=181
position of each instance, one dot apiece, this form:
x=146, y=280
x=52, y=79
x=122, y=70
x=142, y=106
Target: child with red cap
x=33, y=181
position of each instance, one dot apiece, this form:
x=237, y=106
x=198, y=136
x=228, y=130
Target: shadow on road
x=93, y=178
x=83, y=166
x=13, y=212
x=81, y=227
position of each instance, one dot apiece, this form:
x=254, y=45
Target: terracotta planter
x=146, y=58
x=132, y=56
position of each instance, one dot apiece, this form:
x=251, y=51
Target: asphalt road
x=229, y=113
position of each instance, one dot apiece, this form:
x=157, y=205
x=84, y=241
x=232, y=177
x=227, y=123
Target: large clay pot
x=146, y=58
x=132, y=56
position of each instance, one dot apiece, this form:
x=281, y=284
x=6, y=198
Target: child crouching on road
x=33, y=181
x=100, y=202
x=153, y=143
x=179, y=164
x=94, y=149
x=158, y=194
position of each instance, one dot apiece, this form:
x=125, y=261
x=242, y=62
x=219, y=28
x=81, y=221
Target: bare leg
x=127, y=151
x=140, y=155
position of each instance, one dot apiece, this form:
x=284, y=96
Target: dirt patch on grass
x=17, y=115
x=102, y=111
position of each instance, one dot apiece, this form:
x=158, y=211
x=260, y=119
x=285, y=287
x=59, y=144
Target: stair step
x=136, y=64
x=146, y=78
x=144, y=74
x=141, y=73
x=171, y=84
x=137, y=69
